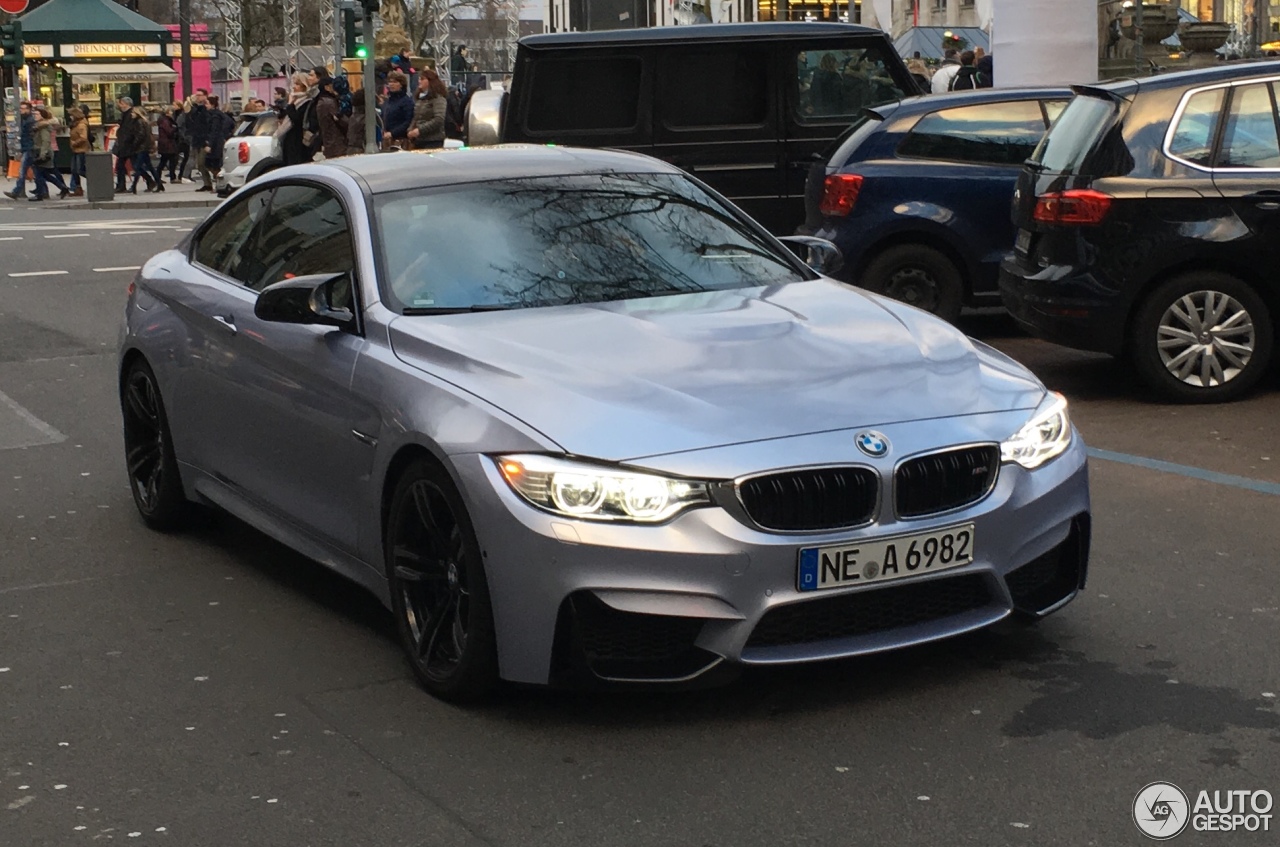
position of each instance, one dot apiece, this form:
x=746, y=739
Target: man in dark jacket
x=966, y=79
x=199, y=126
x=26, y=135
x=397, y=112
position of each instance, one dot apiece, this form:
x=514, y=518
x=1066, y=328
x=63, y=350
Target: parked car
x=574, y=417
x=1149, y=228
x=916, y=194
x=744, y=107
x=252, y=151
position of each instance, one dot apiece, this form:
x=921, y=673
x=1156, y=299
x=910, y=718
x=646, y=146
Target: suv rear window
x=560, y=87
x=1075, y=133
x=988, y=133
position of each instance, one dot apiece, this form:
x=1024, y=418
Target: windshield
x=1074, y=134
x=550, y=241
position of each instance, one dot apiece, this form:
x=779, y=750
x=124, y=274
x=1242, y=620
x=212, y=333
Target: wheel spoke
x=1175, y=335
x=1210, y=370
x=141, y=404
x=1213, y=312
x=1239, y=322
x=426, y=646
x=1185, y=311
x=1236, y=355
x=1178, y=361
x=142, y=455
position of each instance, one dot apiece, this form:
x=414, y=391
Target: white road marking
x=71, y=235
x=133, y=232
x=51, y=435
x=40, y=273
x=121, y=268
x=11, y=238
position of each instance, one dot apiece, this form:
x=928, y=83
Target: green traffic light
x=362, y=53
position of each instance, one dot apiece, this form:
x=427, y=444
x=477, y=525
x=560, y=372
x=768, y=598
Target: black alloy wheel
x=152, y=465
x=919, y=276
x=439, y=593
x=1203, y=337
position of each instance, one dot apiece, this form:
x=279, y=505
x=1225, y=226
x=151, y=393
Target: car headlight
x=1045, y=436
x=597, y=492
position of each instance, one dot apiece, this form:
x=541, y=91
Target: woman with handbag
x=429, y=112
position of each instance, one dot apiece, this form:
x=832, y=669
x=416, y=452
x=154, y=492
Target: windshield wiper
x=412, y=311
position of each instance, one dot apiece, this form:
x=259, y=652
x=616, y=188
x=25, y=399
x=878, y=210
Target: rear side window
x=1192, y=139
x=1250, y=139
x=835, y=85
x=1075, y=133
x=715, y=88
x=990, y=133
x=561, y=87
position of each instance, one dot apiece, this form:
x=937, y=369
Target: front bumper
x=1064, y=305
x=705, y=593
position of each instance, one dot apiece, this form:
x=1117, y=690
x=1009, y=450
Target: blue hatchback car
x=917, y=193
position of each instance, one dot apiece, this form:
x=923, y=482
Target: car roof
x=934, y=102
x=383, y=172
x=699, y=32
x=1199, y=76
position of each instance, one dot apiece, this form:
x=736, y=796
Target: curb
x=143, y=204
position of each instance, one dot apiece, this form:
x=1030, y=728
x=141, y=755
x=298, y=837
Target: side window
x=222, y=247
x=1250, y=139
x=305, y=232
x=1193, y=138
x=715, y=88
x=560, y=87
x=990, y=133
x=833, y=86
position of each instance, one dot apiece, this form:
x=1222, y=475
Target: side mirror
x=312, y=299
x=818, y=253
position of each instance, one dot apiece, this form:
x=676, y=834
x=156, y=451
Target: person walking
x=133, y=136
x=26, y=143
x=42, y=146
x=183, y=156
x=199, y=124
x=167, y=144
x=941, y=80
x=397, y=111
x=26, y=138
x=330, y=120
x=221, y=126
x=429, y=112
x=143, y=163
x=79, y=149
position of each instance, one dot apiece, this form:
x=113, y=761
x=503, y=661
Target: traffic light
x=11, y=43
x=352, y=34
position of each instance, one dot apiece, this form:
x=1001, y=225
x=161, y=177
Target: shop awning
x=90, y=74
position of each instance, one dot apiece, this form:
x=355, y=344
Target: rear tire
x=439, y=593
x=1204, y=337
x=919, y=276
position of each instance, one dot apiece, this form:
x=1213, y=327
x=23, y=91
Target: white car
x=252, y=151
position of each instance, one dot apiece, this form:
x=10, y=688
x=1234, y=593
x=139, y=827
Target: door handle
x=228, y=323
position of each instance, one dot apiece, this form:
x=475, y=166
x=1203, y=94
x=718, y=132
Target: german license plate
x=884, y=559
x=1023, y=245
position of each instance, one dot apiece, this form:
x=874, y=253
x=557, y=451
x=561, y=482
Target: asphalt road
x=213, y=688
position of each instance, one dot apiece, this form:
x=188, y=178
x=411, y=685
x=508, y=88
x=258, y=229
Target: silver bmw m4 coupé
x=576, y=419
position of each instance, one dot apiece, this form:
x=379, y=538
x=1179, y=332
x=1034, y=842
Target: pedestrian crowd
x=959, y=71
x=317, y=118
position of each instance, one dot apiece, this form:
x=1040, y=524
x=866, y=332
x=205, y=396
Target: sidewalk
x=182, y=196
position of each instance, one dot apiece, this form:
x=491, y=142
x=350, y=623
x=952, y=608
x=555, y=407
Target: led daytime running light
x=1045, y=436
x=598, y=492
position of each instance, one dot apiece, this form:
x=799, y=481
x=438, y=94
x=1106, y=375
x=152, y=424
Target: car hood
x=646, y=377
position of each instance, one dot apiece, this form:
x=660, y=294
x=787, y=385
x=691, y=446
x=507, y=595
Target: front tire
x=1203, y=337
x=919, y=276
x=439, y=593
x=152, y=465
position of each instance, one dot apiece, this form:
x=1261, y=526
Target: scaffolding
x=292, y=36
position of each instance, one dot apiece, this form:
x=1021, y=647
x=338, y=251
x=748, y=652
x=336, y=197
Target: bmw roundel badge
x=874, y=444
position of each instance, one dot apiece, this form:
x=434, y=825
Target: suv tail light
x=1076, y=207
x=244, y=152
x=840, y=194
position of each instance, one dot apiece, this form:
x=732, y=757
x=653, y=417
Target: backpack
x=965, y=79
